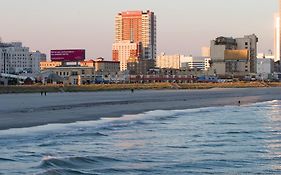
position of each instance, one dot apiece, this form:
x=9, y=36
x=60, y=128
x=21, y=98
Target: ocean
x=215, y=140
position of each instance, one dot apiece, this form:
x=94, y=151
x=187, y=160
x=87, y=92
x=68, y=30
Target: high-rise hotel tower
x=138, y=27
x=277, y=35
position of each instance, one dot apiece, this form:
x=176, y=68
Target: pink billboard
x=68, y=55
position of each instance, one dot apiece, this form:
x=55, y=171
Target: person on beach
x=41, y=93
x=45, y=93
x=132, y=90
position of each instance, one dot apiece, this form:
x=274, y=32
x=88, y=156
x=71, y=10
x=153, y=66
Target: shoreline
x=28, y=110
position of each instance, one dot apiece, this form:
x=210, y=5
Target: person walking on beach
x=41, y=93
x=45, y=93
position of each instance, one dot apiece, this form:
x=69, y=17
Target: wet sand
x=27, y=110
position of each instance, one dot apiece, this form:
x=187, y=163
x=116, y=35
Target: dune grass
x=114, y=87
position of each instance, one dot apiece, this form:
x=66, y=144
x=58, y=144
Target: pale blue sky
x=183, y=26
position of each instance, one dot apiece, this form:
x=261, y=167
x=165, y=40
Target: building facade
x=178, y=61
x=123, y=50
x=234, y=57
x=164, y=61
x=137, y=27
x=265, y=67
x=191, y=62
x=277, y=35
x=137, y=66
x=49, y=64
x=277, y=38
x=16, y=59
x=71, y=75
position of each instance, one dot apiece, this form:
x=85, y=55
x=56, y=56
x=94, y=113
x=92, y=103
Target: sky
x=183, y=26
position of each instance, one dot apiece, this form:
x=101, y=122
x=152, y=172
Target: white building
x=207, y=63
x=265, y=67
x=15, y=58
x=178, y=61
x=194, y=62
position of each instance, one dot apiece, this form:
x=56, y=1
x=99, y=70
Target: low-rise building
x=72, y=75
x=103, y=66
x=178, y=61
x=164, y=61
x=49, y=64
x=107, y=67
x=191, y=62
x=137, y=66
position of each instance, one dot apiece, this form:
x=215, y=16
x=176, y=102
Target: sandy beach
x=26, y=110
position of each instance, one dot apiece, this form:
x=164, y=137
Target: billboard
x=70, y=55
x=236, y=55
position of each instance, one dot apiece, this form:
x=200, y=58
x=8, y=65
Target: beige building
x=168, y=61
x=234, y=57
x=101, y=65
x=49, y=64
x=72, y=75
x=178, y=61
x=107, y=67
x=123, y=50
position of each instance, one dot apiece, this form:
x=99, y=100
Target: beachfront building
x=191, y=62
x=265, y=68
x=102, y=66
x=123, y=50
x=49, y=64
x=164, y=61
x=137, y=27
x=178, y=61
x=16, y=58
x=234, y=57
x=70, y=75
x=137, y=66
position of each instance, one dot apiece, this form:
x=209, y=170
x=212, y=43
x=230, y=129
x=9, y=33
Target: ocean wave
x=65, y=172
x=74, y=162
x=125, y=120
x=6, y=160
